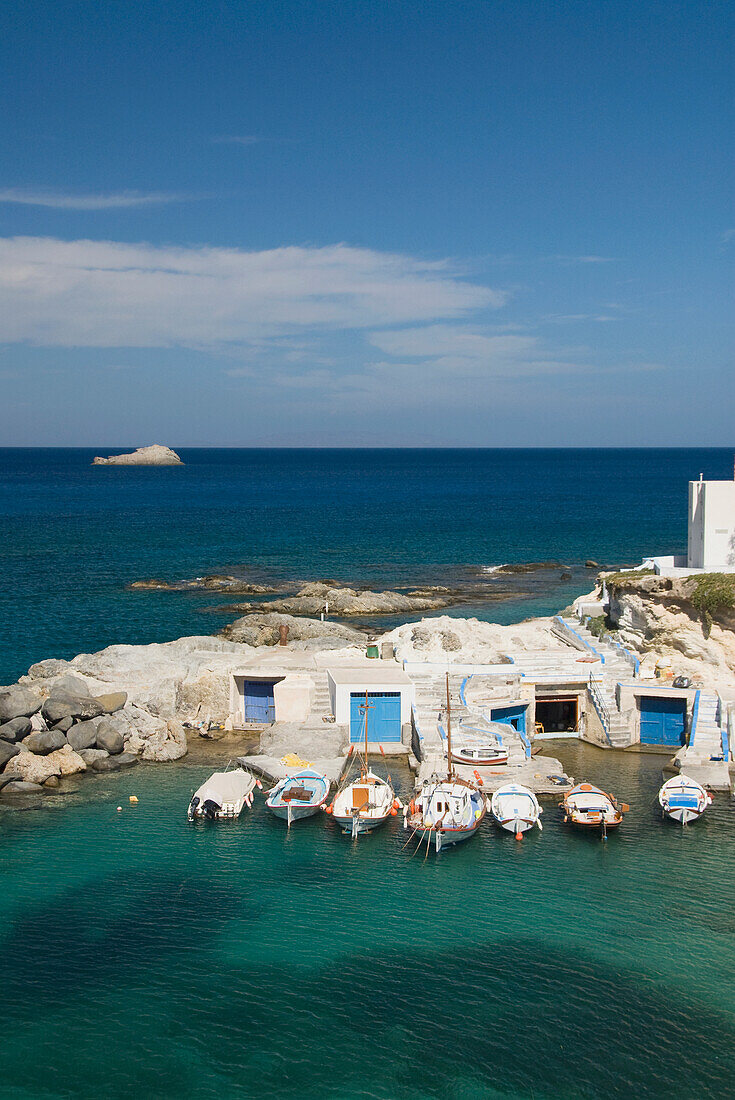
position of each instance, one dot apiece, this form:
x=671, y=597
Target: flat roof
x=378, y=673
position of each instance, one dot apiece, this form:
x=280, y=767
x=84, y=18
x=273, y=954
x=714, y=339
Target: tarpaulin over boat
x=226, y=787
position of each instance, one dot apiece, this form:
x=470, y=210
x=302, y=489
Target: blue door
x=663, y=720
x=512, y=716
x=258, y=702
x=384, y=716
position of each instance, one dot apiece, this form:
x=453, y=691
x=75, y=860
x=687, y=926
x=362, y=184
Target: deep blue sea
x=141, y=956
x=72, y=536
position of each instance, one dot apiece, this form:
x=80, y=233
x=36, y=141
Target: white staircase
x=707, y=735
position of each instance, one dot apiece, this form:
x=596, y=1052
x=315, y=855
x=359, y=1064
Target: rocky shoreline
x=104, y=711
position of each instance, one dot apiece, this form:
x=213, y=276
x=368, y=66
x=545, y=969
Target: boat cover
x=683, y=802
x=226, y=787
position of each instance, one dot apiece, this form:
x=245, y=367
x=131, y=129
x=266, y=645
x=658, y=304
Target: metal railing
x=595, y=690
x=631, y=658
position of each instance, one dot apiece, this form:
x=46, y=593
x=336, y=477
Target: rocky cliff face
x=155, y=455
x=661, y=616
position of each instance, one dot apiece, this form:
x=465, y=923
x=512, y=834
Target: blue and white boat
x=516, y=809
x=298, y=796
x=683, y=799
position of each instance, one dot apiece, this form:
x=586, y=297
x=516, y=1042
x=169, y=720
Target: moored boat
x=588, y=807
x=516, y=809
x=367, y=802
x=479, y=753
x=223, y=795
x=683, y=799
x=444, y=812
x=447, y=810
x=298, y=796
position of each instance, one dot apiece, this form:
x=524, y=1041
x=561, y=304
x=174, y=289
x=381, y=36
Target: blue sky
x=429, y=223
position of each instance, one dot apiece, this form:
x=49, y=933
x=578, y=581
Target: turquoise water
x=142, y=956
x=73, y=536
x=145, y=956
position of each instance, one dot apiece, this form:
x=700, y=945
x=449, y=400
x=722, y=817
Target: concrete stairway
x=430, y=710
x=320, y=703
x=605, y=679
x=707, y=740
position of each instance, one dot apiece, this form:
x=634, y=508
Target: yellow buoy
x=133, y=798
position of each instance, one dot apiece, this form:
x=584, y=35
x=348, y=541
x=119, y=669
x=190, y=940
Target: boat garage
x=557, y=713
x=663, y=720
x=262, y=700
x=388, y=692
x=514, y=716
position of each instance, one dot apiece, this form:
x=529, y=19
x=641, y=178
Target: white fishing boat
x=588, y=807
x=447, y=810
x=223, y=795
x=516, y=809
x=298, y=796
x=367, y=802
x=683, y=799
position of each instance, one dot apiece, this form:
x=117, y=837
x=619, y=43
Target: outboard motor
x=193, y=808
x=210, y=809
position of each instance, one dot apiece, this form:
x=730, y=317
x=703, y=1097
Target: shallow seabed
x=145, y=956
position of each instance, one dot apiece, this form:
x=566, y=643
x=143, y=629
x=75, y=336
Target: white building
x=711, y=543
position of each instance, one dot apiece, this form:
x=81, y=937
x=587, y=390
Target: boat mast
x=449, y=733
x=366, y=734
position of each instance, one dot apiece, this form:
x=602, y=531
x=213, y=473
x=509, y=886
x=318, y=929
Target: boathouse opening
x=557, y=714
x=663, y=720
x=514, y=716
x=257, y=700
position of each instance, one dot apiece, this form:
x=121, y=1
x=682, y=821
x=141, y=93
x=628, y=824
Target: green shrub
x=712, y=593
x=625, y=577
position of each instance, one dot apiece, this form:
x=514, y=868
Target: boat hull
x=515, y=809
x=354, y=826
x=479, y=762
x=683, y=799
x=298, y=813
x=442, y=838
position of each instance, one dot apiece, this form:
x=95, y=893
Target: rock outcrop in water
x=311, y=599
x=155, y=455
x=263, y=629
x=215, y=582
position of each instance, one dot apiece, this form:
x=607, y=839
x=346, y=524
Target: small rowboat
x=298, y=796
x=683, y=799
x=479, y=754
x=516, y=809
x=588, y=807
x=223, y=795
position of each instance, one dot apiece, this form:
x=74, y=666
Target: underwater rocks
x=155, y=455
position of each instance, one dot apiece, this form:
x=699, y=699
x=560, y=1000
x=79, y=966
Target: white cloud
x=60, y=201
x=109, y=294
